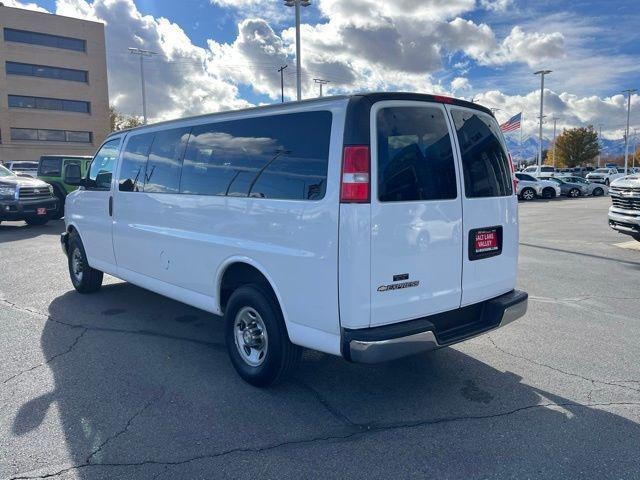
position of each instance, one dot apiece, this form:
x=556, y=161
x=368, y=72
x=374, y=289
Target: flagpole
x=521, y=122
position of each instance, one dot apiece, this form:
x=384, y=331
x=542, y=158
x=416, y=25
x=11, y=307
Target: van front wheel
x=257, y=339
x=84, y=278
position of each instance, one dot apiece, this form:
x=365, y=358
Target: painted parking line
x=632, y=245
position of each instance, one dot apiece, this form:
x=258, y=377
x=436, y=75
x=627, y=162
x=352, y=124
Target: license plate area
x=41, y=211
x=485, y=242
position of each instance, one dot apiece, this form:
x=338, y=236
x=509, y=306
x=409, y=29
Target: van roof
x=66, y=156
x=361, y=98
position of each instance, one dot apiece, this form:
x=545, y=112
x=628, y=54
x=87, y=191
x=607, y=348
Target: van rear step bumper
x=388, y=342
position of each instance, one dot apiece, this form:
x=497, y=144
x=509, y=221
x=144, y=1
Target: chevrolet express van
x=370, y=226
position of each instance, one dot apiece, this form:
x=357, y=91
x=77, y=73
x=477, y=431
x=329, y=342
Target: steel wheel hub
x=76, y=263
x=250, y=336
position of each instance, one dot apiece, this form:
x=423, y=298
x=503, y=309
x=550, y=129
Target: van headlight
x=50, y=189
x=7, y=192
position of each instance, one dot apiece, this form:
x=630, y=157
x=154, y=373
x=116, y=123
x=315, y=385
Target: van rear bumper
x=388, y=342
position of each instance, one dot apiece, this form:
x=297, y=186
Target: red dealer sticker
x=486, y=241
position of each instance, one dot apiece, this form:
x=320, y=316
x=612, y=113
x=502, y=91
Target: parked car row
x=530, y=187
x=604, y=175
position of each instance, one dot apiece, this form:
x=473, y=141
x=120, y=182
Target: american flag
x=512, y=124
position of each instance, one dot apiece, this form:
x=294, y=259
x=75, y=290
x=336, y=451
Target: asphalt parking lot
x=128, y=384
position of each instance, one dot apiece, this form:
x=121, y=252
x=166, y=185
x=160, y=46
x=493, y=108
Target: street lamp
x=628, y=91
x=297, y=4
x=542, y=73
x=142, y=53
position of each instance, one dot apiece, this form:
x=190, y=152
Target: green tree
x=120, y=121
x=577, y=146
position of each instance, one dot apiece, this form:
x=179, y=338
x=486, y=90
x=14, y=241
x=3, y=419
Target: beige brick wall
x=95, y=91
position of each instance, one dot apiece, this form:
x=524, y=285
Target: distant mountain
x=529, y=149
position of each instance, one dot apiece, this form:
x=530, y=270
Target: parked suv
x=604, y=175
x=24, y=168
x=624, y=213
x=25, y=198
x=371, y=226
x=51, y=170
x=530, y=187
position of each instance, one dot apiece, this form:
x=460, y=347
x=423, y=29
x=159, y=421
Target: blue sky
x=221, y=54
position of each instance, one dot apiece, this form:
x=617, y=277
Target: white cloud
x=27, y=6
x=178, y=79
x=529, y=48
x=496, y=5
x=460, y=84
x=571, y=111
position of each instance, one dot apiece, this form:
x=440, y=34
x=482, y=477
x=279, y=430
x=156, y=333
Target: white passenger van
x=371, y=226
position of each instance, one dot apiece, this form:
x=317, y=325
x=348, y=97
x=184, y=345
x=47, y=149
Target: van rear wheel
x=84, y=278
x=257, y=339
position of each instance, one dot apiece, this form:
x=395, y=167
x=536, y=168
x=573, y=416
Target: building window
x=36, y=38
x=21, y=101
x=44, y=71
x=49, y=135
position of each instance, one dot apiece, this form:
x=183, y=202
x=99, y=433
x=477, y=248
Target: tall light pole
x=635, y=146
x=555, y=122
x=142, y=53
x=281, y=70
x=297, y=4
x=321, y=82
x=542, y=73
x=628, y=91
x=599, y=144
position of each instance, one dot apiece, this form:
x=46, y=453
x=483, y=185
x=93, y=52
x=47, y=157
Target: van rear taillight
x=354, y=187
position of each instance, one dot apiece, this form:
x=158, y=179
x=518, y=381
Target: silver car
x=577, y=186
x=529, y=187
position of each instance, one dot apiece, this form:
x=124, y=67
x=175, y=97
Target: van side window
x=279, y=156
x=162, y=174
x=415, y=157
x=485, y=163
x=134, y=163
x=102, y=165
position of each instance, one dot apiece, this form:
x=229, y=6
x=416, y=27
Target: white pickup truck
x=604, y=175
x=624, y=213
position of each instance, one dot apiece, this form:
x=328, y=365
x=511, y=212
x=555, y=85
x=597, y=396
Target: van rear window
x=415, y=157
x=485, y=163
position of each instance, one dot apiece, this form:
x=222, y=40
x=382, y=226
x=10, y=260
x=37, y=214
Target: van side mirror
x=72, y=174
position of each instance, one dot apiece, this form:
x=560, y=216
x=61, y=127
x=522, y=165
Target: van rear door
x=490, y=255
x=416, y=212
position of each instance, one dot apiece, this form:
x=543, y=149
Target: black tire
x=84, y=278
x=37, y=220
x=528, y=194
x=574, y=193
x=548, y=193
x=597, y=192
x=280, y=357
x=59, y=213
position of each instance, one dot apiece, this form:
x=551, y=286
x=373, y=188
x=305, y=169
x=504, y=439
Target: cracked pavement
x=127, y=384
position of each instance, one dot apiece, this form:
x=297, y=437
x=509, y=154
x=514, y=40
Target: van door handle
x=110, y=205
